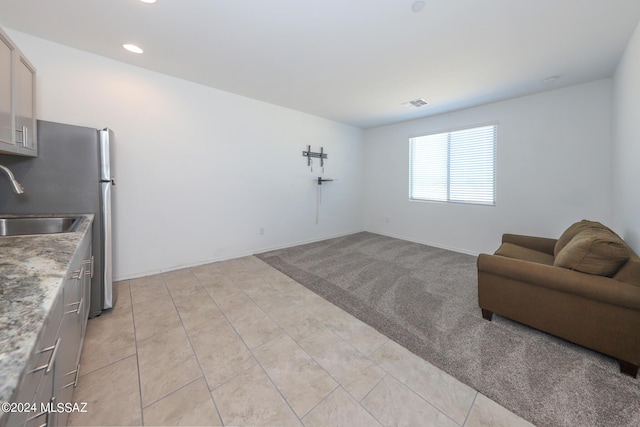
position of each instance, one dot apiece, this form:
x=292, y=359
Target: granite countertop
x=32, y=270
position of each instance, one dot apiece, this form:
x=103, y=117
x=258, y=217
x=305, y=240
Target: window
x=456, y=166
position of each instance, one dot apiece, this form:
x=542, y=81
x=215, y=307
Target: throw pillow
x=594, y=250
x=571, y=232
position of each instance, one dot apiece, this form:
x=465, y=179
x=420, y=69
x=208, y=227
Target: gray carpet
x=426, y=299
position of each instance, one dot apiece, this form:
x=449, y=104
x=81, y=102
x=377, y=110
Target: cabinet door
x=6, y=94
x=86, y=289
x=66, y=373
x=40, y=372
x=26, y=137
x=42, y=400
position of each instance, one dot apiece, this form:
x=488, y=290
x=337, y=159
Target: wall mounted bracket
x=309, y=154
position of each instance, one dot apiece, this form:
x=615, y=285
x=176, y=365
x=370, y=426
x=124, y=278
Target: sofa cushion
x=630, y=272
x=511, y=250
x=594, y=250
x=572, y=231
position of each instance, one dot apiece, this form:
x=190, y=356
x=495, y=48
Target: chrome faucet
x=17, y=188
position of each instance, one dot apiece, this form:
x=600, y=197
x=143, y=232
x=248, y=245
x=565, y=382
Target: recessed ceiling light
x=417, y=6
x=148, y=1
x=132, y=48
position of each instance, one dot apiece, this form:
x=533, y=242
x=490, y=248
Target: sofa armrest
x=560, y=279
x=541, y=244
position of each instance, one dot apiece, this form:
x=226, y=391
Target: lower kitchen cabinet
x=67, y=369
x=53, y=369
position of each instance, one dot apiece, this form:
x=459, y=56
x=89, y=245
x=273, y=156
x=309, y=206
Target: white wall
x=626, y=144
x=199, y=171
x=553, y=168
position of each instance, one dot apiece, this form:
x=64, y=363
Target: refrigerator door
x=109, y=298
x=105, y=157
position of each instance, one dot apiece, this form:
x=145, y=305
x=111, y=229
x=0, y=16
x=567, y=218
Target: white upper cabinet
x=17, y=101
x=25, y=107
x=6, y=93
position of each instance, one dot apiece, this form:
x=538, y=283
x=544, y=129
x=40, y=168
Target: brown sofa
x=583, y=287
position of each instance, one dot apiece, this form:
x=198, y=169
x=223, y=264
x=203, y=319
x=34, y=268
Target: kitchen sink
x=18, y=226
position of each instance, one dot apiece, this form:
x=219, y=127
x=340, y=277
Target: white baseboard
x=138, y=275
x=422, y=242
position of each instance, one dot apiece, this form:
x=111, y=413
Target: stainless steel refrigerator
x=72, y=174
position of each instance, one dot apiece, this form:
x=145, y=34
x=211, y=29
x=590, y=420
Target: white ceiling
x=354, y=61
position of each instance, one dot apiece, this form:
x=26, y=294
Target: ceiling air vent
x=416, y=103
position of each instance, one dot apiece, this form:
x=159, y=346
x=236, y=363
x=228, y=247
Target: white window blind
x=456, y=166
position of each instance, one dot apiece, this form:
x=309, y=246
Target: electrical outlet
x=261, y=230
x=386, y=220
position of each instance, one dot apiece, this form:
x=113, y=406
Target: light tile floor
x=239, y=343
